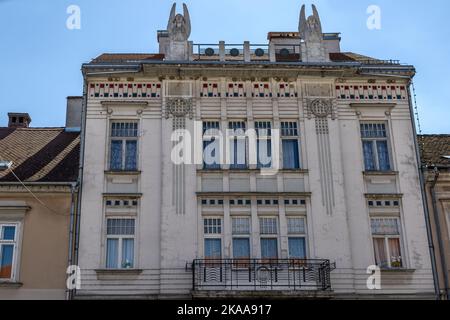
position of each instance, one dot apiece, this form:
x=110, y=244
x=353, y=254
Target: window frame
x=213, y=236
x=206, y=140
x=374, y=141
x=16, y=248
x=241, y=236
x=120, y=239
x=298, y=235
x=269, y=236
x=123, y=141
x=264, y=138
x=234, y=145
x=293, y=137
x=386, y=238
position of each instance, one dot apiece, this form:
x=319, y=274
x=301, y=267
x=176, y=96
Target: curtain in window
x=394, y=249
x=131, y=155
x=269, y=249
x=127, y=253
x=264, y=149
x=297, y=248
x=237, y=156
x=116, y=155
x=369, y=162
x=6, y=261
x=290, y=154
x=211, y=156
x=112, y=253
x=380, y=252
x=383, y=155
x=241, y=248
x=213, y=249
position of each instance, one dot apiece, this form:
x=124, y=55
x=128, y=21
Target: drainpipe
x=424, y=199
x=439, y=234
x=73, y=190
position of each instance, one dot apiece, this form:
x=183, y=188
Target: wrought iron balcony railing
x=262, y=275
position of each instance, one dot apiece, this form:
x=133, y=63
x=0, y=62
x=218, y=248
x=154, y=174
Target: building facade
x=313, y=181
x=38, y=196
x=435, y=156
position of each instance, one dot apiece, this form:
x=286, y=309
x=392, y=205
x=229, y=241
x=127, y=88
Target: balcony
x=305, y=277
x=247, y=52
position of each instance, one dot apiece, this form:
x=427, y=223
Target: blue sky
x=41, y=59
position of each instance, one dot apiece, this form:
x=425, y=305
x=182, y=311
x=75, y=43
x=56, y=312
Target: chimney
x=18, y=120
x=73, y=113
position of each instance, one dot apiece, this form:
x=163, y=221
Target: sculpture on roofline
x=179, y=25
x=310, y=28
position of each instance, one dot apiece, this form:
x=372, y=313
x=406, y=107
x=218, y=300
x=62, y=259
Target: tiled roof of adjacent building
x=434, y=150
x=123, y=57
x=40, y=154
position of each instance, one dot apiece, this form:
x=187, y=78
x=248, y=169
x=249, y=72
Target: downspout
x=439, y=234
x=424, y=199
x=73, y=190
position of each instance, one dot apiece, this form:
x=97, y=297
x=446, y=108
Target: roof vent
x=19, y=120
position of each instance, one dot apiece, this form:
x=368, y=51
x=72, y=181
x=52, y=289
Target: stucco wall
x=43, y=248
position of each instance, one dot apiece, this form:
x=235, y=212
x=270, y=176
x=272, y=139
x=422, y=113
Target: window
x=213, y=249
x=297, y=238
x=123, y=151
x=212, y=228
x=386, y=242
x=375, y=147
x=263, y=144
x=290, y=145
x=211, y=145
x=241, y=238
x=120, y=235
x=268, y=226
x=238, y=145
x=8, y=247
x=269, y=243
x=269, y=249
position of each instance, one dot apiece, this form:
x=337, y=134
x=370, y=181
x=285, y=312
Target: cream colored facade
x=42, y=240
x=331, y=190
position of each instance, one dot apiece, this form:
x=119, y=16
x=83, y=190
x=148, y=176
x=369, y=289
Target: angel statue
x=310, y=29
x=179, y=26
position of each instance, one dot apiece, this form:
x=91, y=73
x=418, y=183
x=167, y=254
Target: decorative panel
x=122, y=90
x=210, y=89
x=371, y=92
x=236, y=90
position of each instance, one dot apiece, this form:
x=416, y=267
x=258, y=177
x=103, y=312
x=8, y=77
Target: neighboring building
x=37, y=201
x=435, y=156
x=347, y=195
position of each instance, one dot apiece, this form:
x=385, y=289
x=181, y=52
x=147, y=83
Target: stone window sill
x=397, y=270
x=380, y=173
x=114, y=274
x=123, y=173
x=10, y=284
